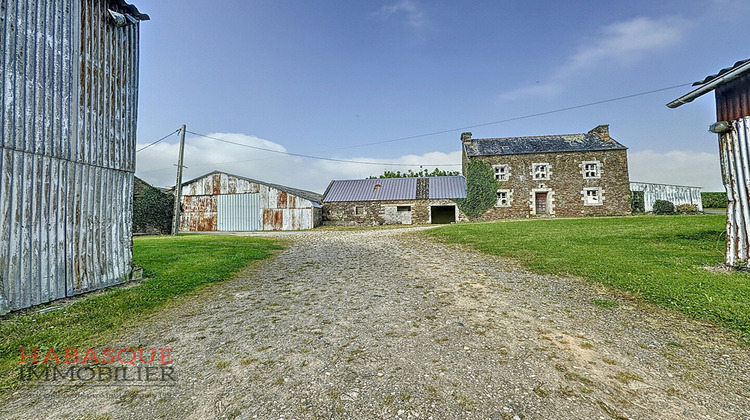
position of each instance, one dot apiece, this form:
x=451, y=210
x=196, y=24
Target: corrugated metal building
x=732, y=90
x=223, y=202
x=676, y=194
x=394, y=200
x=68, y=125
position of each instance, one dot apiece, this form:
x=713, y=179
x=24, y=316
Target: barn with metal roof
x=220, y=201
x=394, y=200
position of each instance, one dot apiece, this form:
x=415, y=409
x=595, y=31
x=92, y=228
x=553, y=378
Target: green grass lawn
x=173, y=266
x=660, y=259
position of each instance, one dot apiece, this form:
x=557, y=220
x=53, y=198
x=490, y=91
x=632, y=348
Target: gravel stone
x=387, y=323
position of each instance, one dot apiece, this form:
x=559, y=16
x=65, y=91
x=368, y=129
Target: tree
x=423, y=173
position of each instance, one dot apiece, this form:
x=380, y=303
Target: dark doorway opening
x=441, y=215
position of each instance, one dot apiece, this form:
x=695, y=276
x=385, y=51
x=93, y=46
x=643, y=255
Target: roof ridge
x=534, y=137
x=401, y=177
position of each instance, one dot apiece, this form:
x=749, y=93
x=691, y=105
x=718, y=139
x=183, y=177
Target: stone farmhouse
x=568, y=175
x=394, y=200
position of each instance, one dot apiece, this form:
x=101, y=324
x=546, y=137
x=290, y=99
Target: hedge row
x=152, y=212
x=714, y=200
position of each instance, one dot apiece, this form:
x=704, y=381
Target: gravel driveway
x=371, y=324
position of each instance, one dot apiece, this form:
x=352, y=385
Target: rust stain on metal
x=273, y=219
x=216, y=184
x=281, y=200
x=732, y=99
x=198, y=204
x=734, y=156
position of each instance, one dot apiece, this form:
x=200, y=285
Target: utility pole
x=178, y=185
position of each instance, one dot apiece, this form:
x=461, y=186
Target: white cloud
x=679, y=167
x=626, y=42
x=409, y=9
x=538, y=90
x=621, y=43
x=156, y=165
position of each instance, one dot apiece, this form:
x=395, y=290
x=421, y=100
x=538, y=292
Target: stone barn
x=223, y=202
x=568, y=175
x=394, y=201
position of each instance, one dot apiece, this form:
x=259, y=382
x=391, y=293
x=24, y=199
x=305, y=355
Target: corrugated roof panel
x=720, y=73
x=447, y=187
x=372, y=190
x=394, y=189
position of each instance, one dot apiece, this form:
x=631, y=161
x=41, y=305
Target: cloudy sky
x=362, y=83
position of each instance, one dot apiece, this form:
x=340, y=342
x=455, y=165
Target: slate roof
x=541, y=144
x=394, y=189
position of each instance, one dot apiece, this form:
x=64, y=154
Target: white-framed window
x=502, y=172
x=359, y=211
x=540, y=171
x=592, y=196
x=503, y=198
x=591, y=169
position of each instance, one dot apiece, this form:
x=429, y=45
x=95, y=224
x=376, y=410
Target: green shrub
x=663, y=207
x=714, y=200
x=152, y=212
x=481, y=189
x=686, y=208
x=637, y=203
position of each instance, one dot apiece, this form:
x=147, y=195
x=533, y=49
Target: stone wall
x=383, y=212
x=565, y=185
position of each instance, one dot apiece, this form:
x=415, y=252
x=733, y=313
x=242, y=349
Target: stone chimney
x=466, y=138
x=602, y=131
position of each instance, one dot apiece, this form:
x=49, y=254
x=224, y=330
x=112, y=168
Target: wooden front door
x=541, y=203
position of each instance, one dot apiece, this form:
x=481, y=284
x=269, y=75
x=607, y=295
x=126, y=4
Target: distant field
x=660, y=259
x=175, y=266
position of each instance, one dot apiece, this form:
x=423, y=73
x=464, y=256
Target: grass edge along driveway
x=660, y=259
x=173, y=266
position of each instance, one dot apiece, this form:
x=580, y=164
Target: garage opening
x=441, y=215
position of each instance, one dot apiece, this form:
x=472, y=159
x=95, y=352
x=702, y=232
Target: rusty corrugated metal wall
x=69, y=98
x=734, y=154
x=733, y=99
x=278, y=210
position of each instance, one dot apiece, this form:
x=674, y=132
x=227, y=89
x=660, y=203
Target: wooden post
x=178, y=185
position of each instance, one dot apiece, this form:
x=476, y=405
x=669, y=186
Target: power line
x=157, y=141
x=538, y=114
x=316, y=157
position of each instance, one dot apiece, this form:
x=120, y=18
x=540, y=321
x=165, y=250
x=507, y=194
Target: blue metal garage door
x=238, y=212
